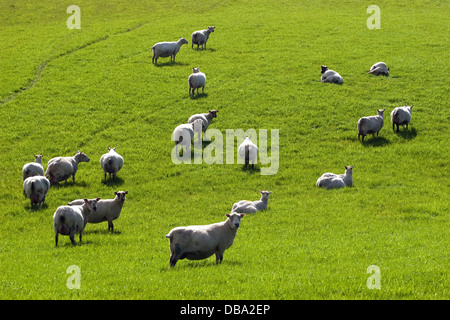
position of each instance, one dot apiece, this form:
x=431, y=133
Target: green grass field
x=66, y=90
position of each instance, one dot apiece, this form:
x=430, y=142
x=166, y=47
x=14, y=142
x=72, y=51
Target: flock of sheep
x=192, y=242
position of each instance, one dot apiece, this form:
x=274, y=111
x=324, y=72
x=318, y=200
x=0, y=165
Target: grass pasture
x=64, y=90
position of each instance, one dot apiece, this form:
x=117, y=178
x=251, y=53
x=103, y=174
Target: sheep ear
x=115, y=193
x=85, y=200
x=242, y=215
x=97, y=199
x=126, y=192
x=228, y=215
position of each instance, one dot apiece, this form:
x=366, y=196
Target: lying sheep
x=184, y=133
x=248, y=151
x=61, y=168
x=70, y=220
x=379, y=68
x=107, y=209
x=201, y=37
x=36, y=189
x=205, y=117
x=245, y=206
x=33, y=168
x=330, y=180
x=111, y=163
x=196, y=80
x=401, y=116
x=201, y=242
x=371, y=124
x=167, y=49
x=330, y=76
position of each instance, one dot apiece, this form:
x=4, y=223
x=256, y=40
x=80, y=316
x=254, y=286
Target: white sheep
x=36, y=189
x=111, y=163
x=167, y=49
x=184, y=133
x=248, y=151
x=371, y=124
x=205, y=117
x=70, y=220
x=330, y=180
x=61, y=168
x=33, y=168
x=201, y=242
x=201, y=37
x=379, y=68
x=107, y=209
x=245, y=206
x=196, y=80
x=330, y=76
x=401, y=116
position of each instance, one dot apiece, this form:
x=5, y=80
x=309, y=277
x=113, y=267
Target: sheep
x=205, y=117
x=379, y=68
x=371, y=124
x=61, y=168
x=248, y=151
x=245, y=206
x=167, y=49
x=69, y=220
x=183, y=134
x=196, y=80
x=33, y=168
x=111, y=163
x=201, y=37
x=36, y=189
x=201, y=242
x=107, y=209
x=401, y=116
x=330, y=180
x=330, y=76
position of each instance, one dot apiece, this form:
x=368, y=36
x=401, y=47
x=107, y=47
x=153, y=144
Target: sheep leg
x=406, y=126
x=362, y=140
x=219, y=257
x=110, y=226
x=203, y=89
x=56, y=239
x=72, y=238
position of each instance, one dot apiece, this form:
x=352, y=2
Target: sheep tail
x=62, y=218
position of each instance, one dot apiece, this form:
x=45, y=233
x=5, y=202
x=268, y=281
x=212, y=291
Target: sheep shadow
x=407, y=134
x=118, y=181
x=169, y=64
x=69, y=184
x=206, y=263
x=102, y=231
x=198, y=96
x=375, y=142
x=249, y=169
x=205, y=49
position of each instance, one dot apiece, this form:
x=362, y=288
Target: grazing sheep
x=248, y=151
x=61, y=168
x=330, y=76
x=371, y=124
x=201, y=242
x=245, y=206
x=167, y=49
x=401, y=116
x=111, y=163
x=33, y=168
x=379, y=68
x=36, y=188
x=107, y=209
x=201, y=37
x=205, y=117
x=184, y=133
x=330, y=180
x=69, y=220
x=196, y=80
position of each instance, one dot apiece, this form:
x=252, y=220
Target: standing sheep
x=107, y=209
x=61, y=168
x=167, y=49
x=330, y=76
x=371, y=124
x=201, y=37
x=196, y=80
x=245, y=206
x=36, y=189
x=33, y=168
x=111, y=163
x=330, y=180
x=248, y=151
x=184, y=133
x=401, y=116
x=201, y=242
x=379, y=68
x=205, y=117
x=70, y=220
